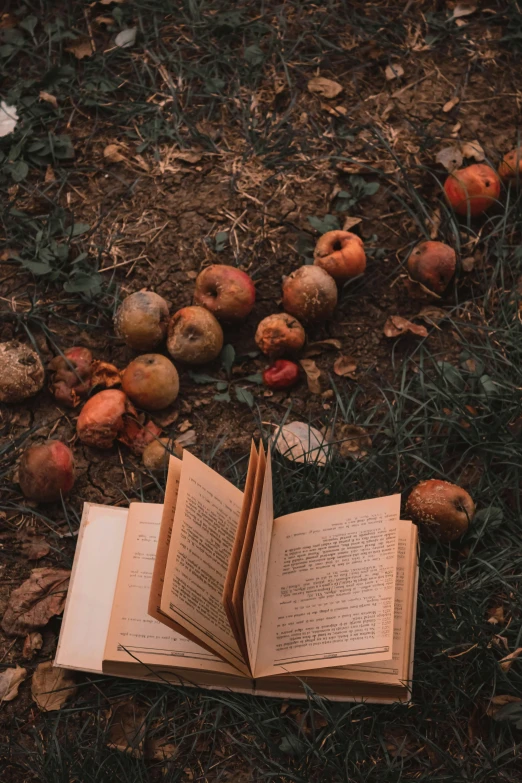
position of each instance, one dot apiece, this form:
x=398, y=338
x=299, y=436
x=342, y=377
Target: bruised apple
x=278, y=334
x=142, y=320
x=46, y=471
x=21, y=372
x=310, y=294
x=472, y=189
x=194, y=336
x=511, y=166
x=71, y=375
x=282, y=374
x=151, y=381
x=433, y=264
x=226, y=291
x=443, y=509
x=341, y=254
x=109, y=415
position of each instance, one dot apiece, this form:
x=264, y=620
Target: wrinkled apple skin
x=151, y=382
x=443, y=509
x=195, y=336
x=71, y=378
x=226, y=291
x=46, y=471
x=511, y=166
x=341, y=254
x=21, y=372
x=474, y=189
x=278, y=334
x=101, y=419
x=142, y=320
x=433, y=264
x=310, y=294
x=281, y=375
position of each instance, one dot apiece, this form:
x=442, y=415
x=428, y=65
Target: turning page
x=330, y=588
x=207, y=513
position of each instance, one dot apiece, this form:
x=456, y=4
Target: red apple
x=310, y=294
x=443, y=509
x=46, y=471
x=341, y=254
x=279, y=334
x=281, y=375
x=194, y=336
x=472, y=189
x=511, y=166
x=433, y=264
x=226, y=291
x=151, y=381
x=142, y=320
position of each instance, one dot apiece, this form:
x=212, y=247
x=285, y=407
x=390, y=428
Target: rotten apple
x=472, y=189
x=226, y=291
x=278, y=334
x=71, y=375
x=151, y=382
x=142, y=320
x=310, y=294
x=46, y=471
x=341, y=254
x=444, y=510
x=511, y=166
x=109, y=416
x=21, y=372
x=433, y=264
x=282, y=374
x=194, y=336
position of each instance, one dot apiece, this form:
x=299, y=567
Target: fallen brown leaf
x=50, y=176
x=345, y=366
x=394, y=71
x=188, y=156
x=127, y=729
x=464, y=9
x=157, y=749
x=46, y=96
x=185, y=426
x=397, y=325
x=37, y=599
x=497, y=702
x=51, y=687
x=326, y=88
x=35, y=547
x=313, y=374
x=450, y=157
x=434, y=223
x=315, y=349
x=468, y=263
x=398, y=743
x=187, y=439
x=472, y=149
x=449, y=105
x=353, y=442
x=507, y=662
x=10, y=681
x=80, y=47
x=496, y=615
x=350, y=222
x=33, y=642
x=112, y=153
x=432, y=315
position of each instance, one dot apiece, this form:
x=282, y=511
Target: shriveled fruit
x=279, y=334
x=71, y=375
x=310, y=294
x=282, y=374
x=46, y=471
x=341, y=254
x=151, y=381
x=226, y=291
x=21, y=372
x=472, y=189
x=443, y=509
x=102, y=418
x=511, y=166
x=156, y=455
x=142, y=320
x=433, y=264
x=194, y=336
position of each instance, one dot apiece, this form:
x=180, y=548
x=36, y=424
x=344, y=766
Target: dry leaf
x=507, y=662
x=350, y=222
x=10, y=681
x=434, y=223
x=51, y=687
x=353, y=441
x=449, y=105
x=187, y=439
x=157, y=749
x=48, y=98
x=345, y=366
x=497, y=702
x=33, y=642
x=463, y=9
x=313, y=374
x=37, y=599
x=468, y=263
x=432, y=315
x=397, y=325
x=326, y=88
x=315, y=349
x=50, y=176
x=126, y=38
x=35, y=548
x=299, y=442
x=460, y=22
x=393, y=72
x=8, y=118
x=496, y=615
x=127, y=729
x=112, y=153
x=450, y=157
x=398, y=743
x=188, y=156
x=185, y=425
x=472, y=149
x=80, y=47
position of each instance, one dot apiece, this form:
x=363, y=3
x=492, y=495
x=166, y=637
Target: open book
x=210, y=590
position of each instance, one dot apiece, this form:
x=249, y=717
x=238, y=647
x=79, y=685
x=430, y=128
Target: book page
x=254, y=594
x=134, y=636
x=331, y=587
x=207, y=513
x=396, y=670
x=233, y=565
x=91, y=591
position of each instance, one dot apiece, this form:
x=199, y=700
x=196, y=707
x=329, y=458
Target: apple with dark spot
x=226, y=291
